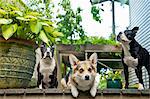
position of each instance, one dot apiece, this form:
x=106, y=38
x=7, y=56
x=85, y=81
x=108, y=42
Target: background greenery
x=69, y=22
x=18, y=20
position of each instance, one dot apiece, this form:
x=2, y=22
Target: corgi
x=83, y=76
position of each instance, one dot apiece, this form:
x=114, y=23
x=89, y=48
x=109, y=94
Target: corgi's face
x=84, y=70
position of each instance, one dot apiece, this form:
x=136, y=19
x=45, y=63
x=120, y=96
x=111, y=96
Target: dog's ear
x=93, y=58
x=135, y=29
x=73, y=60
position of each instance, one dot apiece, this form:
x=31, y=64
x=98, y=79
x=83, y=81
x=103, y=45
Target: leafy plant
x=91, y=40
x=96, y=13
x=108, y=74
x=43, y=6
x=19, y=21
x=115, y=75
x=69, y=23
x=103, y=79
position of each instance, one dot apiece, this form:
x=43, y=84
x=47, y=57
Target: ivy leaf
x=57, y=34
x=44, y=23
x=48, y=29
x=43, y=37
x=9, y=30
x=19, y=13
x=34, y=14
x=16, y=13
x=15, y=8
x=32, y=18
x=3, y=12
x=5, y=21
x=52, y=31
x=22, y=19
x=21, y=32
x=35, y=27
x=52, y=39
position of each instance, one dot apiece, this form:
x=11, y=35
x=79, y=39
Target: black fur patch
x=136, y=51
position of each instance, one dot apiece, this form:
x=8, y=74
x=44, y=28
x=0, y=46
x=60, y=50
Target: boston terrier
x=47, y=69
x=133, y=55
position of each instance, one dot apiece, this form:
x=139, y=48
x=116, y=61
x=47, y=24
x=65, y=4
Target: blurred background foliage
x=90, y=40
x=69, y=22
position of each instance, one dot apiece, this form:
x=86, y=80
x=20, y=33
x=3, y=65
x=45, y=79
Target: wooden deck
x=59, y=94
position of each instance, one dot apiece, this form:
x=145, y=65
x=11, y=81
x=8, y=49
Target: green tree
x=70, y=23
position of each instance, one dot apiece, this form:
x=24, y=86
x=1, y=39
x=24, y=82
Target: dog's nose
x=87, y=77
x=48, y=53
x=120, y=33
x=118, y=37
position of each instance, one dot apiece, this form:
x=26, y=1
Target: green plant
x=115, y=75
x=70, y=23
x=92, y=40
x=96, y=13
x=106, y=75
x=101, y=40
x=103, y=82
x=19, y=21
x=43, y=6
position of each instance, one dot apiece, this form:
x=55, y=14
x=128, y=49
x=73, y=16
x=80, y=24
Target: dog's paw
x=141, y=87
x=93, y=92
x=75, y=93
x=131, y=61
x=63, y=83
x=40, y=86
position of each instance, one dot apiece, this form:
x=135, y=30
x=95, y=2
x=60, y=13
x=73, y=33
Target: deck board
x=60, y=92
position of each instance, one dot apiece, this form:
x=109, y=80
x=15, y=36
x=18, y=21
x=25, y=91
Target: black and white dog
x=47, y=69
x=133, y=55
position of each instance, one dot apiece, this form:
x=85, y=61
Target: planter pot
x=116, y=83
x=17, y=60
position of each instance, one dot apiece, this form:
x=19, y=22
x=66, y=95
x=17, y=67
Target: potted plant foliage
x=110, y=79
x=114, y=80
x=20, y=29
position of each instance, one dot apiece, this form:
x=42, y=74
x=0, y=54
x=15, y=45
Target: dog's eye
x=81, y=70
x=90, y=70
x=50, y=76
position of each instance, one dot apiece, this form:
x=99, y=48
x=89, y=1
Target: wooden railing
x=59, y=94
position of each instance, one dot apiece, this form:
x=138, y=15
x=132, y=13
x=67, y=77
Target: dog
x=83, y=76
x=47, y=69
x=133, y=55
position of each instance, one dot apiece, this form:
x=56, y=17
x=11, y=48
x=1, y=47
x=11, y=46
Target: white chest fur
x=47, y=66
x=85, y=85
x=128, y=59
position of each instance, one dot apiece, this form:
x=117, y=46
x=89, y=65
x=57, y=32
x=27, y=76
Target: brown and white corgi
x=83, y=76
